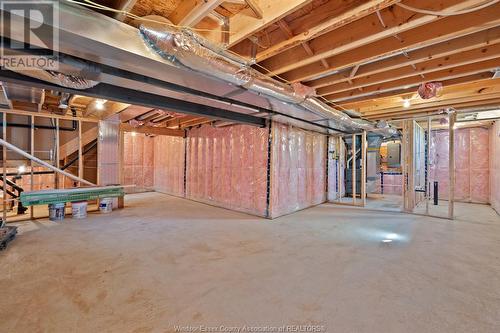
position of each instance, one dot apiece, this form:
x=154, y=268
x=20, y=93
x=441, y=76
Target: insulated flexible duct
x=194, y=52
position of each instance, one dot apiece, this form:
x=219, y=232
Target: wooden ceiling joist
x=373, y=98
x=152, y=130
x=453, y=90
x=433, y=105
x=367, y=56
x=244, y=26
x=365, y=8
x=447, y=74
x=254, y=6
x=461, y=95
x=423, y=68
x=191, y=12
x=487, y=102
x=362, y=32
x=462, y=44
x=299, y=67
x=289, y=34
x=178, y=121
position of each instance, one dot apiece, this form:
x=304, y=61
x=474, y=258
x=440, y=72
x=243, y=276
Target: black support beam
x=130, y=96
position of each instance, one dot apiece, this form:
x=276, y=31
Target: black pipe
x=13, y=185
x=436, y=193
x=45, y=127
x=29, y=173
x=67, y=165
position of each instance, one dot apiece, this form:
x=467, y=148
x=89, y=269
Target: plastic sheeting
x=333, y=185
x=227, y=167
x=138, y=160
x=495, y=166
x=471, y=164
x=108, y=152
x=298, y=169
x=169, y=165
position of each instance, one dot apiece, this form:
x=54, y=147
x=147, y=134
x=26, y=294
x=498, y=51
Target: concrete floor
x=165, y=261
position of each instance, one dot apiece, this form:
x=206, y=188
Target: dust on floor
x=165, y=263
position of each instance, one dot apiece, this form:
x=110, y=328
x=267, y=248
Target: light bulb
x=99, y=104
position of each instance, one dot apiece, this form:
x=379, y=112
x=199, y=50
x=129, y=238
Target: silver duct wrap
x=196, y=53
x=180, y=45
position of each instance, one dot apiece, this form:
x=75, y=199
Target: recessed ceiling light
x=406, y=103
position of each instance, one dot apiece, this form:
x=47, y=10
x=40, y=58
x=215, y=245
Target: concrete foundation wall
x=495, y=166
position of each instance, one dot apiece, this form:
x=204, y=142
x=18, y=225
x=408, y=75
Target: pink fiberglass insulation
x=495, y=166
x=138, y=160
x=471, y=164
x=227, y=167
x=393, y=184
x=169, y=165
x=479, y=165
x=298, y=169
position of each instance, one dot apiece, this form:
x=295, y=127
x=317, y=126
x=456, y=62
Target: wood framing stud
x=451, y=167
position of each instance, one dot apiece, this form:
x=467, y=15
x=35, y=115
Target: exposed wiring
x=447, y=12
x=94, y=5
x=327, y=101
x=91, y=4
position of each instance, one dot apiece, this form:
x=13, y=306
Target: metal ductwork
x=20, y=93
x=194, y=52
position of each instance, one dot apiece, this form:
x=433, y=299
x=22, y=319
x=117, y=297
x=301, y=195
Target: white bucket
x=106, y=205
x=56, y=211
x=79, y=209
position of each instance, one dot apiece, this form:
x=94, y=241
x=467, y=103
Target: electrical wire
x=446, y=12
x=94, y=5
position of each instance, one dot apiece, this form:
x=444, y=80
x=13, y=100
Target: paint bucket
x=56, y=211
x=106, y=205
x=79, y=209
